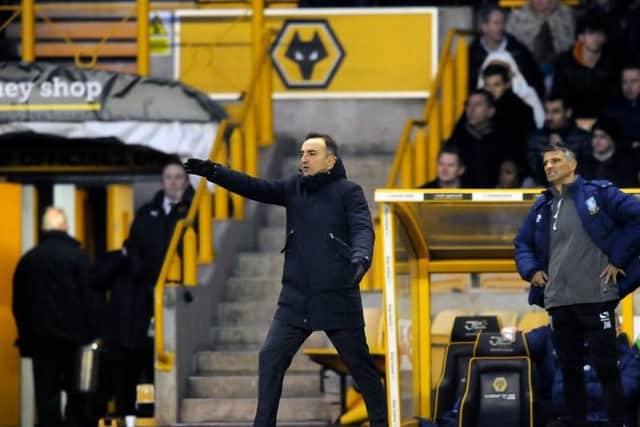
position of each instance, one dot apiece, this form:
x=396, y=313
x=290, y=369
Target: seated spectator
x=549, y=381
x=512, y=115
x=559, y=125
x=586, y=73
x=605, y=161
x=493, y=38
x=482, y=147
x=518, y=84
x=450, y=170
x=613, y=13
x=625, y=109
x=545, y=27
x=512, y=176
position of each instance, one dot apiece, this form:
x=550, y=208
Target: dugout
x=425, y=232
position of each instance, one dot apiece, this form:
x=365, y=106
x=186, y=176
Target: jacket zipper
x=339, y=240
x=286, y=243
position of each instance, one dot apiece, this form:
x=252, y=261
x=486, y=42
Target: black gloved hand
x=204, y=168
x=359, y=271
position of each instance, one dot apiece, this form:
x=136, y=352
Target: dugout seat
x=499, y=389
x=457, y=354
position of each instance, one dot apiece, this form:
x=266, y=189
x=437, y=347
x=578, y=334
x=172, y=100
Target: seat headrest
x=466, y=328
x=496, y=345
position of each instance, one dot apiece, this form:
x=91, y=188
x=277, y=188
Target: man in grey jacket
x=579, y=248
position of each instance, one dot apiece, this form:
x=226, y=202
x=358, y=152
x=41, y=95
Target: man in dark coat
x=328, y=248
x=52, y=305
x=482, y=146
x=513, y=116
x=586, y=74
x=145, y=250
x=450, y=170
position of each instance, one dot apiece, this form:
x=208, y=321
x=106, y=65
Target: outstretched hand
x=199, y=167
x=610, y=273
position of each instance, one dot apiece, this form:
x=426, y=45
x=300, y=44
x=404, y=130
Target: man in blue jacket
x=580, y=248
x=328, y=248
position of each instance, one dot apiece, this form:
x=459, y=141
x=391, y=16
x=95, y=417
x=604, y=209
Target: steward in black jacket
x=328, y=248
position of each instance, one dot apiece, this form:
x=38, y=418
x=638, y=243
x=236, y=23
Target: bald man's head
x=54, y=219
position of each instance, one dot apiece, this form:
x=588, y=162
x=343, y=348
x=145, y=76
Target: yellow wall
x=383, y=51
x=119, y=214
x=10, y=250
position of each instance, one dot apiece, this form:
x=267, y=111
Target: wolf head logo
x=306, y=53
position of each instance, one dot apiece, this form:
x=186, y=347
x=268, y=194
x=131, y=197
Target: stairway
x=223, y=389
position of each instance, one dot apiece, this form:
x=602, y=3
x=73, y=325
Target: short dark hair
x=483, y=92
x=568, y=152
x=559, y=96
x=450, y=148
x=593, y=22
x=485, y=13
x=630, y=65
x=172, y=160
x=331, y=145
x=497, y=70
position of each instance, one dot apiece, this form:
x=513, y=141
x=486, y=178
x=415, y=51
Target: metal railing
x=417, y=153
x=245, y=133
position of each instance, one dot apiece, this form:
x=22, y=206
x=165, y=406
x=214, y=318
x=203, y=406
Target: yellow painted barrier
x=190, y=265
x=221, y=195
x=205, y=229
x=237, y=163
x=421, y=164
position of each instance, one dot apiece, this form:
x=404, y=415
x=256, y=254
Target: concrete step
x=242, y=288
x=237, y=337
x=298, y=409
x=227, y=362
x=260, y=264
x=251, y=337
x=237, y=386
x=272, y=239
x=245, y=313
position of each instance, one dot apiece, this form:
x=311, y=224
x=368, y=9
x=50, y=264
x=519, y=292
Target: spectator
x=631, y=31
x=559, y=125
x=519, y=85
x=545, y=27
x=511, y=176
x=549, y=390
x=493, y=38
x=52, y=305
x=482, y=147
x=625, y=109
x=450, y=170
x=586, y=73
x=605, y=161
x=513, y=115
x=612, y=13
x=147, y=245
x=126, y=334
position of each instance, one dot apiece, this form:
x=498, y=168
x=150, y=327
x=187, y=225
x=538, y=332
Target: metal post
x=421, y=157
x=143, y=37
x=447, y=99
x=462, y=74
x=257, y=30
x=237, y=163
x=205, y=229
x=28, y=31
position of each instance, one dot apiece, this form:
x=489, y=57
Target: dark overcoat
x=52, y=299
x=328, y=232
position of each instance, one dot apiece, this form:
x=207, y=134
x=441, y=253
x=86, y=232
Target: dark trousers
x=283, y=342
x=54, y=371
x=594, y=324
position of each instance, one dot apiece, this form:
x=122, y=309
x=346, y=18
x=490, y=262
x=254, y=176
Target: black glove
x=359, y=271
x=204, y=168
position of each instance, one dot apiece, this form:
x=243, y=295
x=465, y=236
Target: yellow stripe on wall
x=51, y=107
